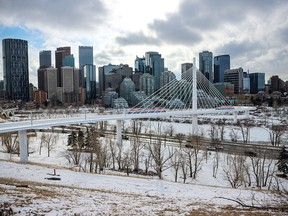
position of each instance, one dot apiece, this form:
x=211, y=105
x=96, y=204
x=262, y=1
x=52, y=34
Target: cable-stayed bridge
x=192, y=96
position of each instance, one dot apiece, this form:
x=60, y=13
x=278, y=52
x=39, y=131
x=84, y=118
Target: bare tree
x=195, y=156
x=221, y=128
x=234, y=135
x=127, y=161
x=157, y=150
x=215, y=163
x=10, y=142
x=175, y=162
x=169, y=130
x=119, y=156
x=263, y=168
x=184, y=167
x=234, y=173
x=245, y=126
x=180, y=137
x=213, y=132
x=147, y=162
x=50, y=142
x=42, y=141
x=136, y=143
x=276, y=134
x=113, y=151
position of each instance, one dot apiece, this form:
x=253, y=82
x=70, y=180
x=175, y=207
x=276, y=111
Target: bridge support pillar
x=119, y=132
x=247, y=114
x=235, y=117
x=23, y=146
x=194, y=124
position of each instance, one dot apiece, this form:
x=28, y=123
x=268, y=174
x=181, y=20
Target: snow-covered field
x=26, y=189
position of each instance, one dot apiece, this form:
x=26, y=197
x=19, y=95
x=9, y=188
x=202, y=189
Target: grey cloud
x=137, y=38
x=102, y=58
x=62, y=15
x=241, y=49
x=175, y=31
x=196, y=19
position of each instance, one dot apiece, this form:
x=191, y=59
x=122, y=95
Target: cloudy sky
x=253, y=32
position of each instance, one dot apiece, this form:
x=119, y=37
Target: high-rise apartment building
x=15, y=69
x=102, y=72
x=147, y=83
x=154, y=66
x=257, y=82
x=221, y=63
x=126, y=88
x=235, y=77
x=140, y=65
x=186, y=70
x=205, y=64
x=276, y=84
x=45, y=59
x=166, y=77
x=60, y=54
x=167, y=90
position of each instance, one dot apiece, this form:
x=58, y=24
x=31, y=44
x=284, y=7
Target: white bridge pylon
x=191, y=96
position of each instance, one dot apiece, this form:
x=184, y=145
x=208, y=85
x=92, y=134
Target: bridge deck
x=92, y=118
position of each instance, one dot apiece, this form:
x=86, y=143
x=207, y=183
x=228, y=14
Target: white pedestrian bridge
x=23, y=126
x=93, y=118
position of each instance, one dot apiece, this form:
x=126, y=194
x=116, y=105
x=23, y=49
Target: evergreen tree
x=72, y=139
x=282, y=163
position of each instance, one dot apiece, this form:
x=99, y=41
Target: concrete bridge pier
x=247, y=114
x=119, y=132
x=235, y=117
x=194, y=124
x=23, y=146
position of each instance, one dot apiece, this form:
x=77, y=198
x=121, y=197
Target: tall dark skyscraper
x=257, y=82
x=85, y=58
x=154, y=66
x=140, y=65
x=15, y=68
x=60, y=54
x=221, y=63
x=45, y=59
x=205, y=64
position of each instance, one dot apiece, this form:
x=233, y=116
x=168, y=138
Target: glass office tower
x=205, y=64
x=15, y=69
x=221, y=63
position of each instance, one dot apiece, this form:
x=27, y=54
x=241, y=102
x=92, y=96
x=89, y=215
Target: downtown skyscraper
x=45, y=59
x=205, y=64
x=15, y=68
x=87, y=73
x=60, y=54
x=221, y=63
x=154, y=66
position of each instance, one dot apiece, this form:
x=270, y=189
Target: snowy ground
x=90, y=194
x=113, y=193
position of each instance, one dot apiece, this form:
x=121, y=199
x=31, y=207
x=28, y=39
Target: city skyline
x=253, y=33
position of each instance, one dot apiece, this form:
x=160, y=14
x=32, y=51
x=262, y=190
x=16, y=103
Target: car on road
x=211, y=148
x=250, y=153
x=189, y=146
